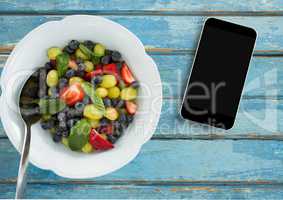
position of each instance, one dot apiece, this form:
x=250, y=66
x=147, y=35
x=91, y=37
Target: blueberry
x=61, y=116
x=68, y=50
x=93, y=82
x=48, y=66
x=81, y=66
x=74, y=113
x=112, y=138
x=65, y=133
x=89, y=44
x=130, y=118
x=118, y=129
x=105, y=60
x=47, y=124
x=86, y=100
x=57, y=137
x=135, y=84
x=116, y=124
x=114, y=102
x=74, y=44
x=116, y=56
x=120, y=103
x=63, y=82
x=98, y=79
x=123, y=126
x=107, y=102
x=79, y=106
x=79, y=61
x=80, y=73
x=101, y=129
x=122, y=117
x=104, y=122
x=70, y=73
x=62, y=126
x=72, y=122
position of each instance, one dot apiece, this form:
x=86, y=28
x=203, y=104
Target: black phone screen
x=218, y=74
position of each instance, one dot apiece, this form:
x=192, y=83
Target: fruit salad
x=87, y=96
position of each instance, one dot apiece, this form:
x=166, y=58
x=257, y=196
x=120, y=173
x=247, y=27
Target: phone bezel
x=227, y=26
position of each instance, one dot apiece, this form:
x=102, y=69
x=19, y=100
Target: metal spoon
x=30, y=115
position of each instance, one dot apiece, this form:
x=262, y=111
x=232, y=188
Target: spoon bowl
x=30, y=114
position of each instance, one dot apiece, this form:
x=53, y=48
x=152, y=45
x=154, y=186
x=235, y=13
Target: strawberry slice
x=126, y=74
x=72, y=94
x=131, y=107
x=72, y=64
x=98, y=142
x=97, y=71
x=110, y=69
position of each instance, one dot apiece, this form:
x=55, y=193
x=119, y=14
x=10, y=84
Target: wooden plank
x=174, y=32
x=265, y=76
x=148, y=5
x=263, y=71
x=78, y=191
x=256, y=119
x=178, y=161
x=264, y=80
x=252, y=108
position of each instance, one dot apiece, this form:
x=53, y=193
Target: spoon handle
x=21, y=182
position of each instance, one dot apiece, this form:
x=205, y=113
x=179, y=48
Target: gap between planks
x=154, y=182
x=212, y=136
x=6, y=50
x=160, y=12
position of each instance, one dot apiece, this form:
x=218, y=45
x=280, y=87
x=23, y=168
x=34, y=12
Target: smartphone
x=219, y=70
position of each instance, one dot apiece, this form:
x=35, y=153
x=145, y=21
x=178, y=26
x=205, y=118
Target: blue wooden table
x=182, y=160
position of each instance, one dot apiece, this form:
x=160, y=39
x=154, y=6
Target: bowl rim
x=2, y=99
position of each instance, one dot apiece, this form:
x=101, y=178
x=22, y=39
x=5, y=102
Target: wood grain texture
x=6, y=49
x=256, y=117
x=175, y=32
x=178, y=161
x=260, y=111
x=87, y=191
x=183, y=160
x=148, y=5
x=264, y=79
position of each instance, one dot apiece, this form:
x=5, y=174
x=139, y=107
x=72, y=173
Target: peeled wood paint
x=189, y=189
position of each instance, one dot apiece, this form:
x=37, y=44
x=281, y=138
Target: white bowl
x=30, y=53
